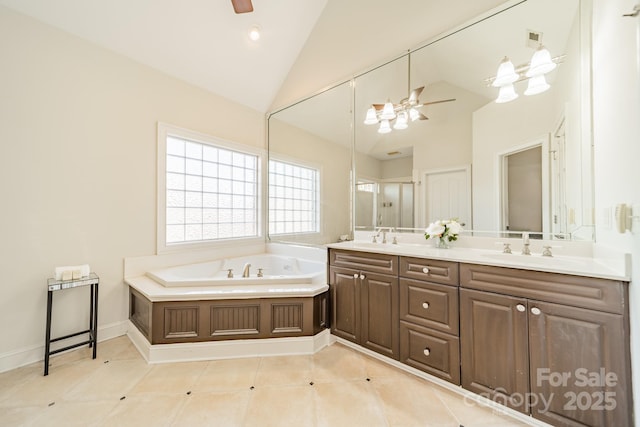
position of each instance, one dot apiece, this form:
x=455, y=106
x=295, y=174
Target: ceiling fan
x=242, y=6
x=401, y=113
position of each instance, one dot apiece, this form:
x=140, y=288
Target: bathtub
x=277, y=270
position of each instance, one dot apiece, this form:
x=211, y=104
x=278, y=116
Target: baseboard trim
x=231, y=349
x=26, y=356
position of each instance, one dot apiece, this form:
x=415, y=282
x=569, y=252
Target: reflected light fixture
x=541, y=64
x=388, y=112
x=384, y=126
x=401, y=121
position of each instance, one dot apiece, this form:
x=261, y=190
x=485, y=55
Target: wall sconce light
x=541, y=64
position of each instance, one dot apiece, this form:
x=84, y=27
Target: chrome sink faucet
x=525, y=244
x=245, y=270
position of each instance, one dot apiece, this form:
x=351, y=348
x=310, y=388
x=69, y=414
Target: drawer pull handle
x=425, y=305
x=362, y=277
x=427, y=351
x=425, y=270
x=355, y=276
x=536, y=311
x=520, y=308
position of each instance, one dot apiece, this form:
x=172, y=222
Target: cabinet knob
x=520, y=307
x=425, y=270
x=536, y=311
x=425, y=305
x=427, y=351
x=362, y=276
x=356, y=275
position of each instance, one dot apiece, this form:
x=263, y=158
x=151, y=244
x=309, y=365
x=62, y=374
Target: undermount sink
x=538, y=260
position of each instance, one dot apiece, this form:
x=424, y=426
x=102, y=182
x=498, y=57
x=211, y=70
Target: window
x=294, y=198
x=207, y=190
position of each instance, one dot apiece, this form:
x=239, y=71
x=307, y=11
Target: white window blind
x=294, y=195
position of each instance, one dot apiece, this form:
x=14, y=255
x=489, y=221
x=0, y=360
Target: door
x=524, y=190
x=494, y=347
x=380, y=318
x=447, y=194
x=345, y=303
x=578, y=366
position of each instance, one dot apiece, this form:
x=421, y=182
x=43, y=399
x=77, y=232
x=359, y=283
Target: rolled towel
x=70, y=272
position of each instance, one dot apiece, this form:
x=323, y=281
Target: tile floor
x=337, y=386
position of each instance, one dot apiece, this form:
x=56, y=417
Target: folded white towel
x=72, y=272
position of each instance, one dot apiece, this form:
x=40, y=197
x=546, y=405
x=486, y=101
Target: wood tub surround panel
x=167, y=322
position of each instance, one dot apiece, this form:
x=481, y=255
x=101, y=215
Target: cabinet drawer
x=375, y=263
x=429, y=304
x=444, y=272
x=430, y=351
x=578, y=291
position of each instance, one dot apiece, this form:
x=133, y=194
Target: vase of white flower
x=443, y=232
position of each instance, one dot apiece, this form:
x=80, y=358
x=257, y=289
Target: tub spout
x=245, y=270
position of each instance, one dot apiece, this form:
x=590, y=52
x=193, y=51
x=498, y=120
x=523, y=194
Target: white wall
x=616, y=105
x=78, y=171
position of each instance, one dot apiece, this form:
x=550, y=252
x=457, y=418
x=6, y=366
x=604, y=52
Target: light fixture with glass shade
x=536, y=85
x=507, y=93
x=541, y=63
x=388, y=112
x=372, y=117
x=506, y=73
x=384, y=126
x=401, y=121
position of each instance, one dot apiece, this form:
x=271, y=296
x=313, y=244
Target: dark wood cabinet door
x=579, y=367
x=380, y=319
x=345, y=303
x=494, y=347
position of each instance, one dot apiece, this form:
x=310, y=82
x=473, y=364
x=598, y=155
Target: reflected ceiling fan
x=242, y=6
x=406, y=110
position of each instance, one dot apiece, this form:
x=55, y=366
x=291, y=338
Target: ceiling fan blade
x=415, y=94
x=437, y=102
x=422, y=117
x=242, y=6
x=378, y=106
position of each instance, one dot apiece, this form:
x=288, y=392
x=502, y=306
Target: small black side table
x=54, y=285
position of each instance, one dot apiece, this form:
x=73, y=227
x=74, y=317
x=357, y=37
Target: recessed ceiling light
x=254, y=33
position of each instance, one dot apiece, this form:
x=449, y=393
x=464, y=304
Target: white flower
x=454, y=227
x=435, y=229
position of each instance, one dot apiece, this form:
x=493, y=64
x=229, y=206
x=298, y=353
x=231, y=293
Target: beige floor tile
x=213, y=409
x=338, y=363
x=285, y=370
x=228, y=375
x=145, y=410
x=69, y=414
x=470, y=413
x=120, y=348
x=412, y=402
x=110, y=381
x=347, y=404
x=39, y=390
x=281, y=406
x=170, y=378
x=20, y=416
x=378, y=369
x=11, y=380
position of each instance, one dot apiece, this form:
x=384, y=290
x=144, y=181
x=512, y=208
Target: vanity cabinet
x=429, y=317
x=553, y=345
x=364, y=299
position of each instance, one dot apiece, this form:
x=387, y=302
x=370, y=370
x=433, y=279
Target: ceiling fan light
x=371, y=118
x=401, y=121
x=541, y=62
x=507, y=93
x=384, y=126
x=506, y=74
x=414, y=114
x=387, y=112
x=537, y=84
x=254, y=33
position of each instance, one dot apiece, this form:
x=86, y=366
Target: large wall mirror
x=523, y=165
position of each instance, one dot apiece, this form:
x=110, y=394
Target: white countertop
x=575, y=265
x=154, y=291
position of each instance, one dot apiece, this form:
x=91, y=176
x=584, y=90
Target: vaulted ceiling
x=306, y=45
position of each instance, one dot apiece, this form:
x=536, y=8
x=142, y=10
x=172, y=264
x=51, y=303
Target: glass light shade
x=541, y=63
x=387, y=112
x=506, y=74
x=507, y=93
x=384, y=126
x=537, y=84
x=371, y=118
x=254, y=33
x=401, y=121
x=414, y=114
